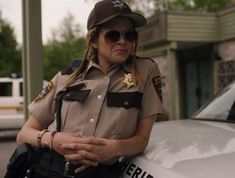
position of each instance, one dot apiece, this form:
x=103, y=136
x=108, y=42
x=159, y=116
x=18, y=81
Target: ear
x=94, y=44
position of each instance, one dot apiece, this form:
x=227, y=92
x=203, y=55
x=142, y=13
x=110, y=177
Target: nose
x=122, y=39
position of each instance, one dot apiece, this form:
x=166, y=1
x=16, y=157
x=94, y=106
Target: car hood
x=190, y=148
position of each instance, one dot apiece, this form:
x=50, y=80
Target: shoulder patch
x=46, y=90
x=157, y=85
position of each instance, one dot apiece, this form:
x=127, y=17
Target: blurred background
x=193, y=41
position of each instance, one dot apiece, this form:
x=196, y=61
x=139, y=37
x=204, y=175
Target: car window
x=5, y=88
x=21, y=88
x=221, y=107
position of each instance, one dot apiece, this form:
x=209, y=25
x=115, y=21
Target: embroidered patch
x=46, y=90
x=157, y=85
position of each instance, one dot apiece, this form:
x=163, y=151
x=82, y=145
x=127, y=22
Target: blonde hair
x=91, y=53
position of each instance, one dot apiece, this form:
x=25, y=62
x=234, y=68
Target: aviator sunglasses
x=113, y=36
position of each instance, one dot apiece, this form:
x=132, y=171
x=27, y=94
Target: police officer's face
x=115, y=42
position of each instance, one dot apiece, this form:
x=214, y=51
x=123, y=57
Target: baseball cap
x=106, y=10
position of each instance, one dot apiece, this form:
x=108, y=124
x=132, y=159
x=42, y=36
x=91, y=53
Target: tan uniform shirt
x=105, y=104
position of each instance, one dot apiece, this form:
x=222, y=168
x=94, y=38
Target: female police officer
x=111, y=103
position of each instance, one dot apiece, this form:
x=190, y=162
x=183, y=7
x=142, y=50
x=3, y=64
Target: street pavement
x=7, y=147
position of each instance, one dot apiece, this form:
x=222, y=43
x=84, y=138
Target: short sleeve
x=152, y=97
x=43, y=106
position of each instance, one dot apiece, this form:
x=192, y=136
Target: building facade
x=195, y=53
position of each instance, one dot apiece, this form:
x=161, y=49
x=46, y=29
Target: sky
x=53, y=12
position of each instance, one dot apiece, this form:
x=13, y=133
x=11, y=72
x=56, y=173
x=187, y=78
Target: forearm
x=29, y=133
x=30, y=136
x=137, y=143
x=132, y=146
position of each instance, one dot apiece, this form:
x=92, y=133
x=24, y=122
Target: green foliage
x=200, y=5
x=10, y=56
x=150, y=7
x=66, y=44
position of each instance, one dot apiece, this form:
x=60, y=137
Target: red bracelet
x=40, y=134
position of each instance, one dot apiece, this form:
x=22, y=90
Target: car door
x=11, y=110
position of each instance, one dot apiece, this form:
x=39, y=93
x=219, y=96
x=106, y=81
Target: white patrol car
x=202, y=146
x=11, y=103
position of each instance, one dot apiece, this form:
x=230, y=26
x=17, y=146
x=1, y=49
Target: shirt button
x=126, y=103
x=92, y=120
x=99, y=97
x=106, y=77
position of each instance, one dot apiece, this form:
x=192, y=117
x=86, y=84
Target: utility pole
x=32, y=51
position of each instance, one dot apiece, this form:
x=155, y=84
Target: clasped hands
x=85, y=151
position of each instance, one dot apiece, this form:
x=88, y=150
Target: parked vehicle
x=200, y=147
x=11, y=103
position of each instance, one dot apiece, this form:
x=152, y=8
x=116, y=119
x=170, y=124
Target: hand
x=101, y=149
x=79, y=151
x=61, y=138
x=109, y=149
x=82, y=144
x=80, y=168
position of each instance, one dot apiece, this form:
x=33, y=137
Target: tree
x=66, y=44
x=201, y=5
x=150, y=7
x=10, y=56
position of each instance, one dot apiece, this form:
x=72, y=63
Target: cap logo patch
x=118, y=3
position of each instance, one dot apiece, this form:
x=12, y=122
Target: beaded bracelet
x=51, y=139
x=39, y=138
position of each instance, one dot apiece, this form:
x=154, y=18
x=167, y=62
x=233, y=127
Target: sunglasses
x=114, y=36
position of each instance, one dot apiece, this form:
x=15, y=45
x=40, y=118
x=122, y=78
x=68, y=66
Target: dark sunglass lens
x=112, y=36
x=131, y=36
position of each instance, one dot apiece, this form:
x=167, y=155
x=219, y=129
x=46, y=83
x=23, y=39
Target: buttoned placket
x=99, y=96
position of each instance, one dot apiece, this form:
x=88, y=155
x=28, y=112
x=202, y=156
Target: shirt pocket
x=126, y=100
x=125, y=107
x=79, y=95
x=72, y=106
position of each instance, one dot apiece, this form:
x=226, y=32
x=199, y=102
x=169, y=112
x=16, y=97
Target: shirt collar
x=127, y=66
x=91, y=65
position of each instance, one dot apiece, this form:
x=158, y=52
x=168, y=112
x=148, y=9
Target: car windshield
x=221, y=107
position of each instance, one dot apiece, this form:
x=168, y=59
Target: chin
x=119, y=60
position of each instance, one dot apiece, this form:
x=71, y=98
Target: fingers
x=80, y=149
x=90, y=140
x=86, y=144
x=97, y=141
x=83, y=157
x=76, y=146
x=88, y=162
x=80, y=168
